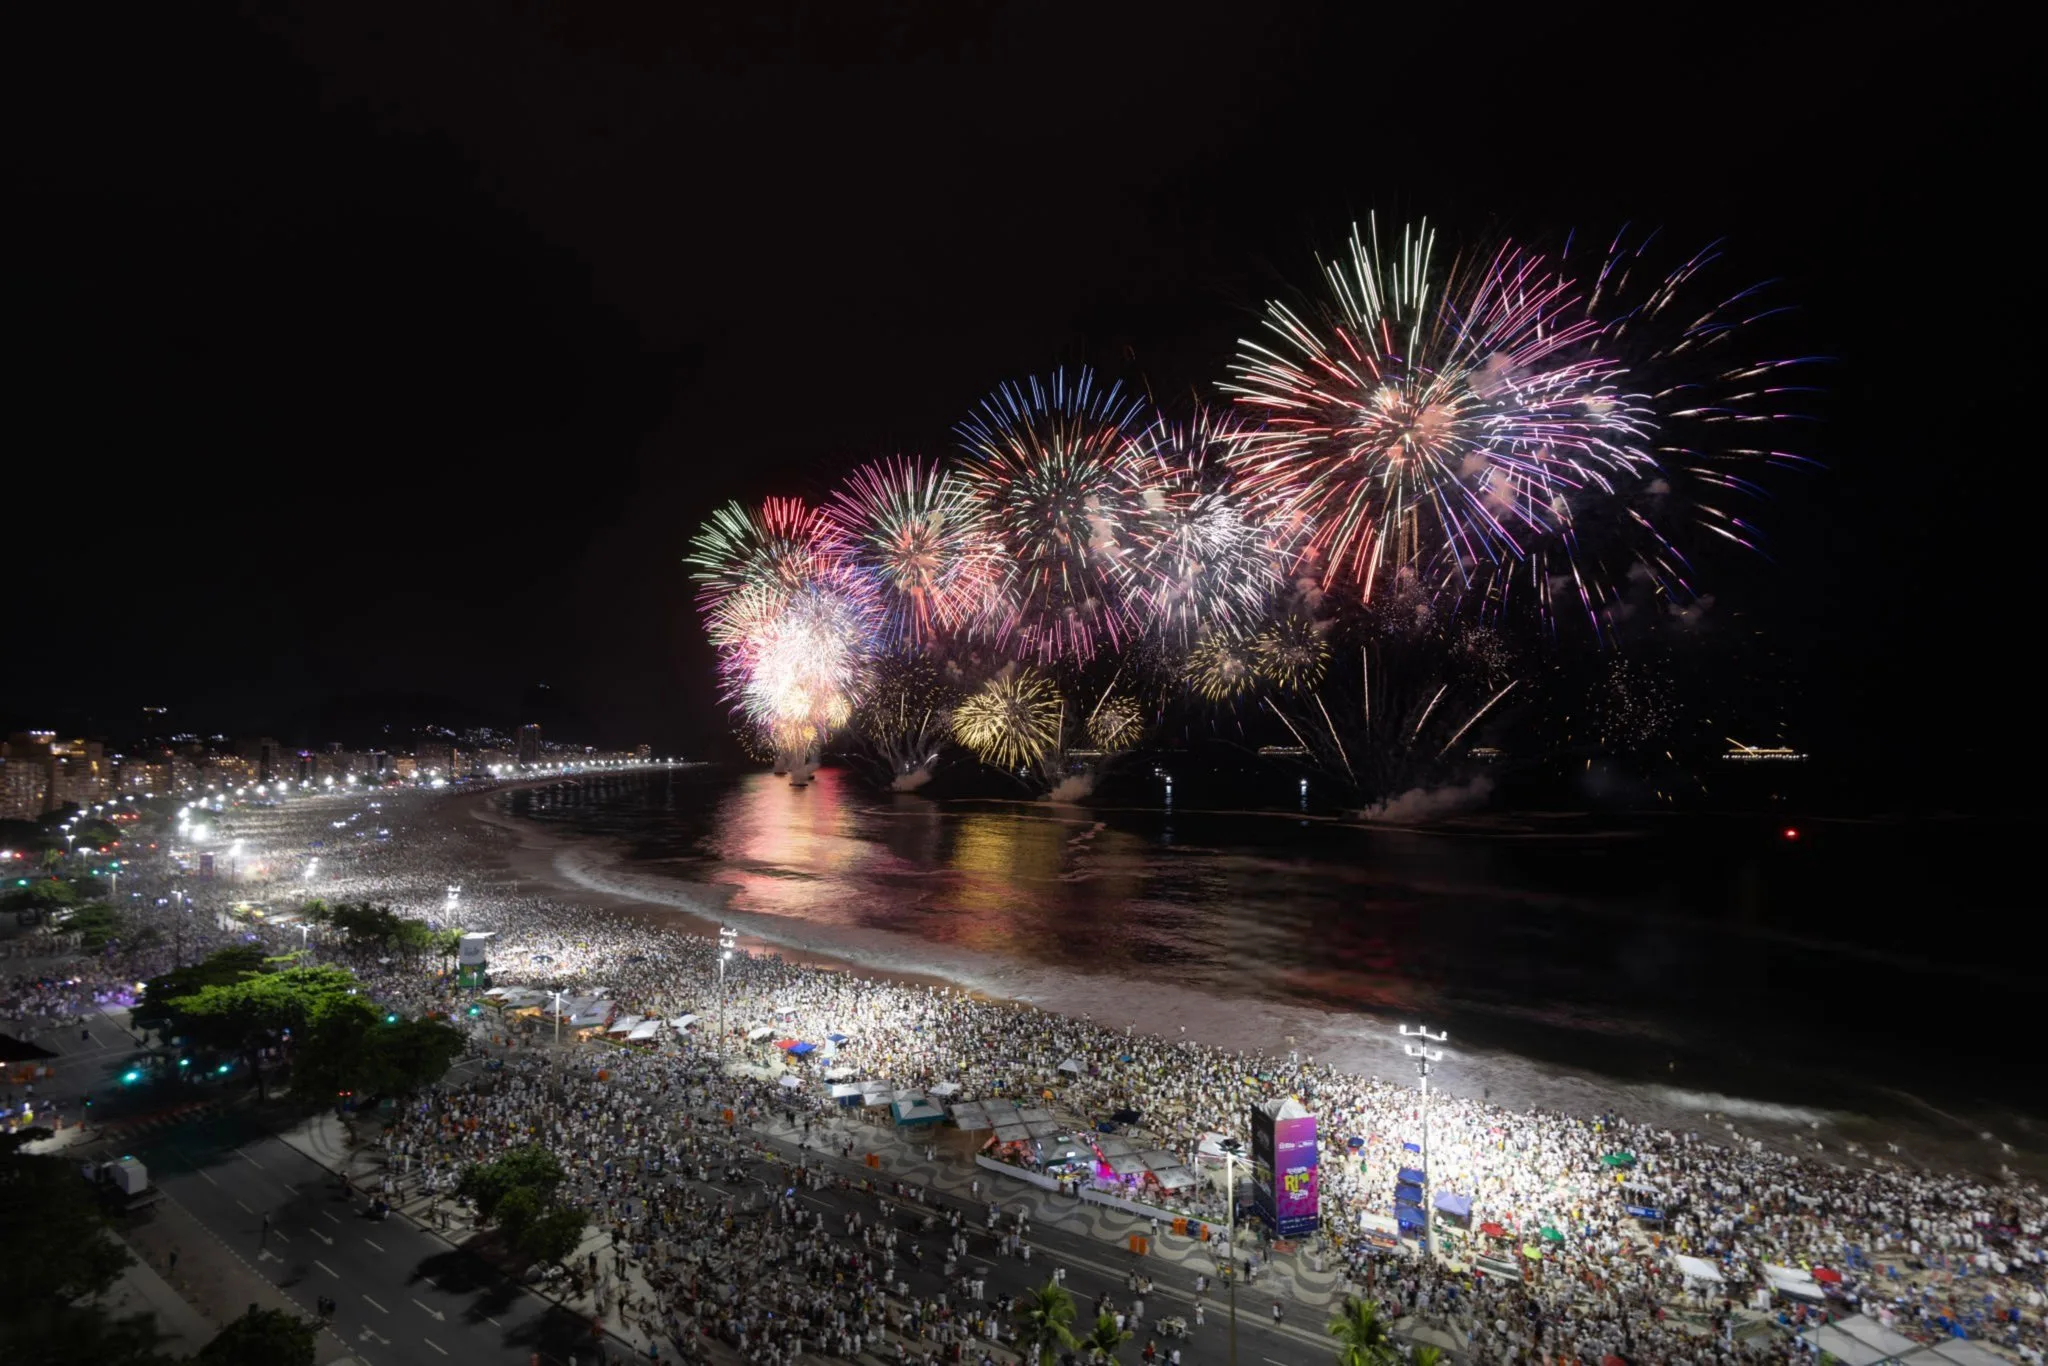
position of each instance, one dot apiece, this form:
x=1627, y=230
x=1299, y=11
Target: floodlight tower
x=728, y=940
x=1424, y=1055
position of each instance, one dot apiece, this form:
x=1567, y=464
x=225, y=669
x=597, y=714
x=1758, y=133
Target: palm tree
x=1362, y=1337
x=1105, y=1339
x=1429, y=1356
x=1044, y=1315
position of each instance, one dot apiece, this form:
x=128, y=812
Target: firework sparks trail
x=1474, y=719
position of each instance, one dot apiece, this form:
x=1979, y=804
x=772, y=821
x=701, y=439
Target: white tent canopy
x=1794, y=1282
x=1072, y=1065
x=758, y=1033
x=1859, y=1340
x=1697, y=1269
x=788, y=1081
x=644, y=1030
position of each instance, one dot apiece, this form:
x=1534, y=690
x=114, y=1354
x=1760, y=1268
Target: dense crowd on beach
x=1930, y=1254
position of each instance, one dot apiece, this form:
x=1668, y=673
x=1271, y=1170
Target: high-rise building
x=24, y=789
x=74, y=772
x=265, y=759
x=529, y=744
x=644, y=752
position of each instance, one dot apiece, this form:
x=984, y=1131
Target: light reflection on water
x=1684, y=951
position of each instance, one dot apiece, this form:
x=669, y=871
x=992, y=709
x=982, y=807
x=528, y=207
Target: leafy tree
x=226, y=966
x=96, y=926
x=51, y=1334
x=367, y=924
x=245, y=1015
x=411, y=1054
x=518, y=1192
x=530, y=1166
x=1103, y=1340
x=414, y=939
x=53, y=1229
x=95, y=834
x=332, y=1054
x=58, y=1260
x=1426, y=1355
x=554, y=1236
x=29, y=836
x=1043, y=1319
x=518, y=1211
x=261, y=1337
x=42, y=896
x=1362, y=1336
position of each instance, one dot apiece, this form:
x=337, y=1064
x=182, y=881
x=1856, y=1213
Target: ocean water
x=1874, y=978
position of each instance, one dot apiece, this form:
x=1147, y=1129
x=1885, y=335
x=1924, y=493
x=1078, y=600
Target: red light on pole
x=1790, y=833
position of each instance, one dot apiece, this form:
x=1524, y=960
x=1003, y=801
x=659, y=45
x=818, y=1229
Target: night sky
x=373, y=349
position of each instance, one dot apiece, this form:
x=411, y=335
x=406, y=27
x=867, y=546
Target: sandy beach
x=587, y=873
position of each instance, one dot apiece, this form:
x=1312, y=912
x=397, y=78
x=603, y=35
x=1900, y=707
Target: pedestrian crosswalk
x=135, y=1125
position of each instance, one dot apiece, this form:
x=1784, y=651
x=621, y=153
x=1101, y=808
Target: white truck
x=123, y=1184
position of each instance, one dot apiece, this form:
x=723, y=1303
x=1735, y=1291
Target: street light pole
x=1231, y=1148
x=727, y=938
x=1424, y=1055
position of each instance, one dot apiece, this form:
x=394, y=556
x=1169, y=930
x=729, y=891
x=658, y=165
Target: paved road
x=1093, y=1269
x=403, y=1295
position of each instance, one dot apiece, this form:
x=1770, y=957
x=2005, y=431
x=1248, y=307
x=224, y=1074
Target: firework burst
x=1221, y=666
x=1204, y=556
x=918, y=533
x=794, y=627
x=1291, y=653
x=1504, y=410
x=780, y=545
x=1049, y=463
x=1012, y=720
x=1116, y=725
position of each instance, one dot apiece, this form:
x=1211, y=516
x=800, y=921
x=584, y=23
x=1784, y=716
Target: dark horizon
x=386, y=354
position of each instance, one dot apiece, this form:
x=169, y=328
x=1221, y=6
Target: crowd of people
x=1930, y=1254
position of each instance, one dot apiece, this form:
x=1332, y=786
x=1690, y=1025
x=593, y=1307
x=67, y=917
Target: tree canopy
x=1362, y=1336
x=517, y=1192
x=261, y=1337
x=1045, y=1319
x=58, y=1259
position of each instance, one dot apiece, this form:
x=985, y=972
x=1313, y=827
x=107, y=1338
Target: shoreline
x=528, y=853
x=1351, y=1040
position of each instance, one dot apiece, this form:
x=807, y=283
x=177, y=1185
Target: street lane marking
x=335, y=1217
x=493, y=1322
x=248, y=1159
x=439, y=1317
x=378, y=1307
x=435, y=1345
x=373, y=1244
x=279, y=1235
x=245, y=1208
x=209, y=1180
x=326, y=1268
x=321, y=1236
